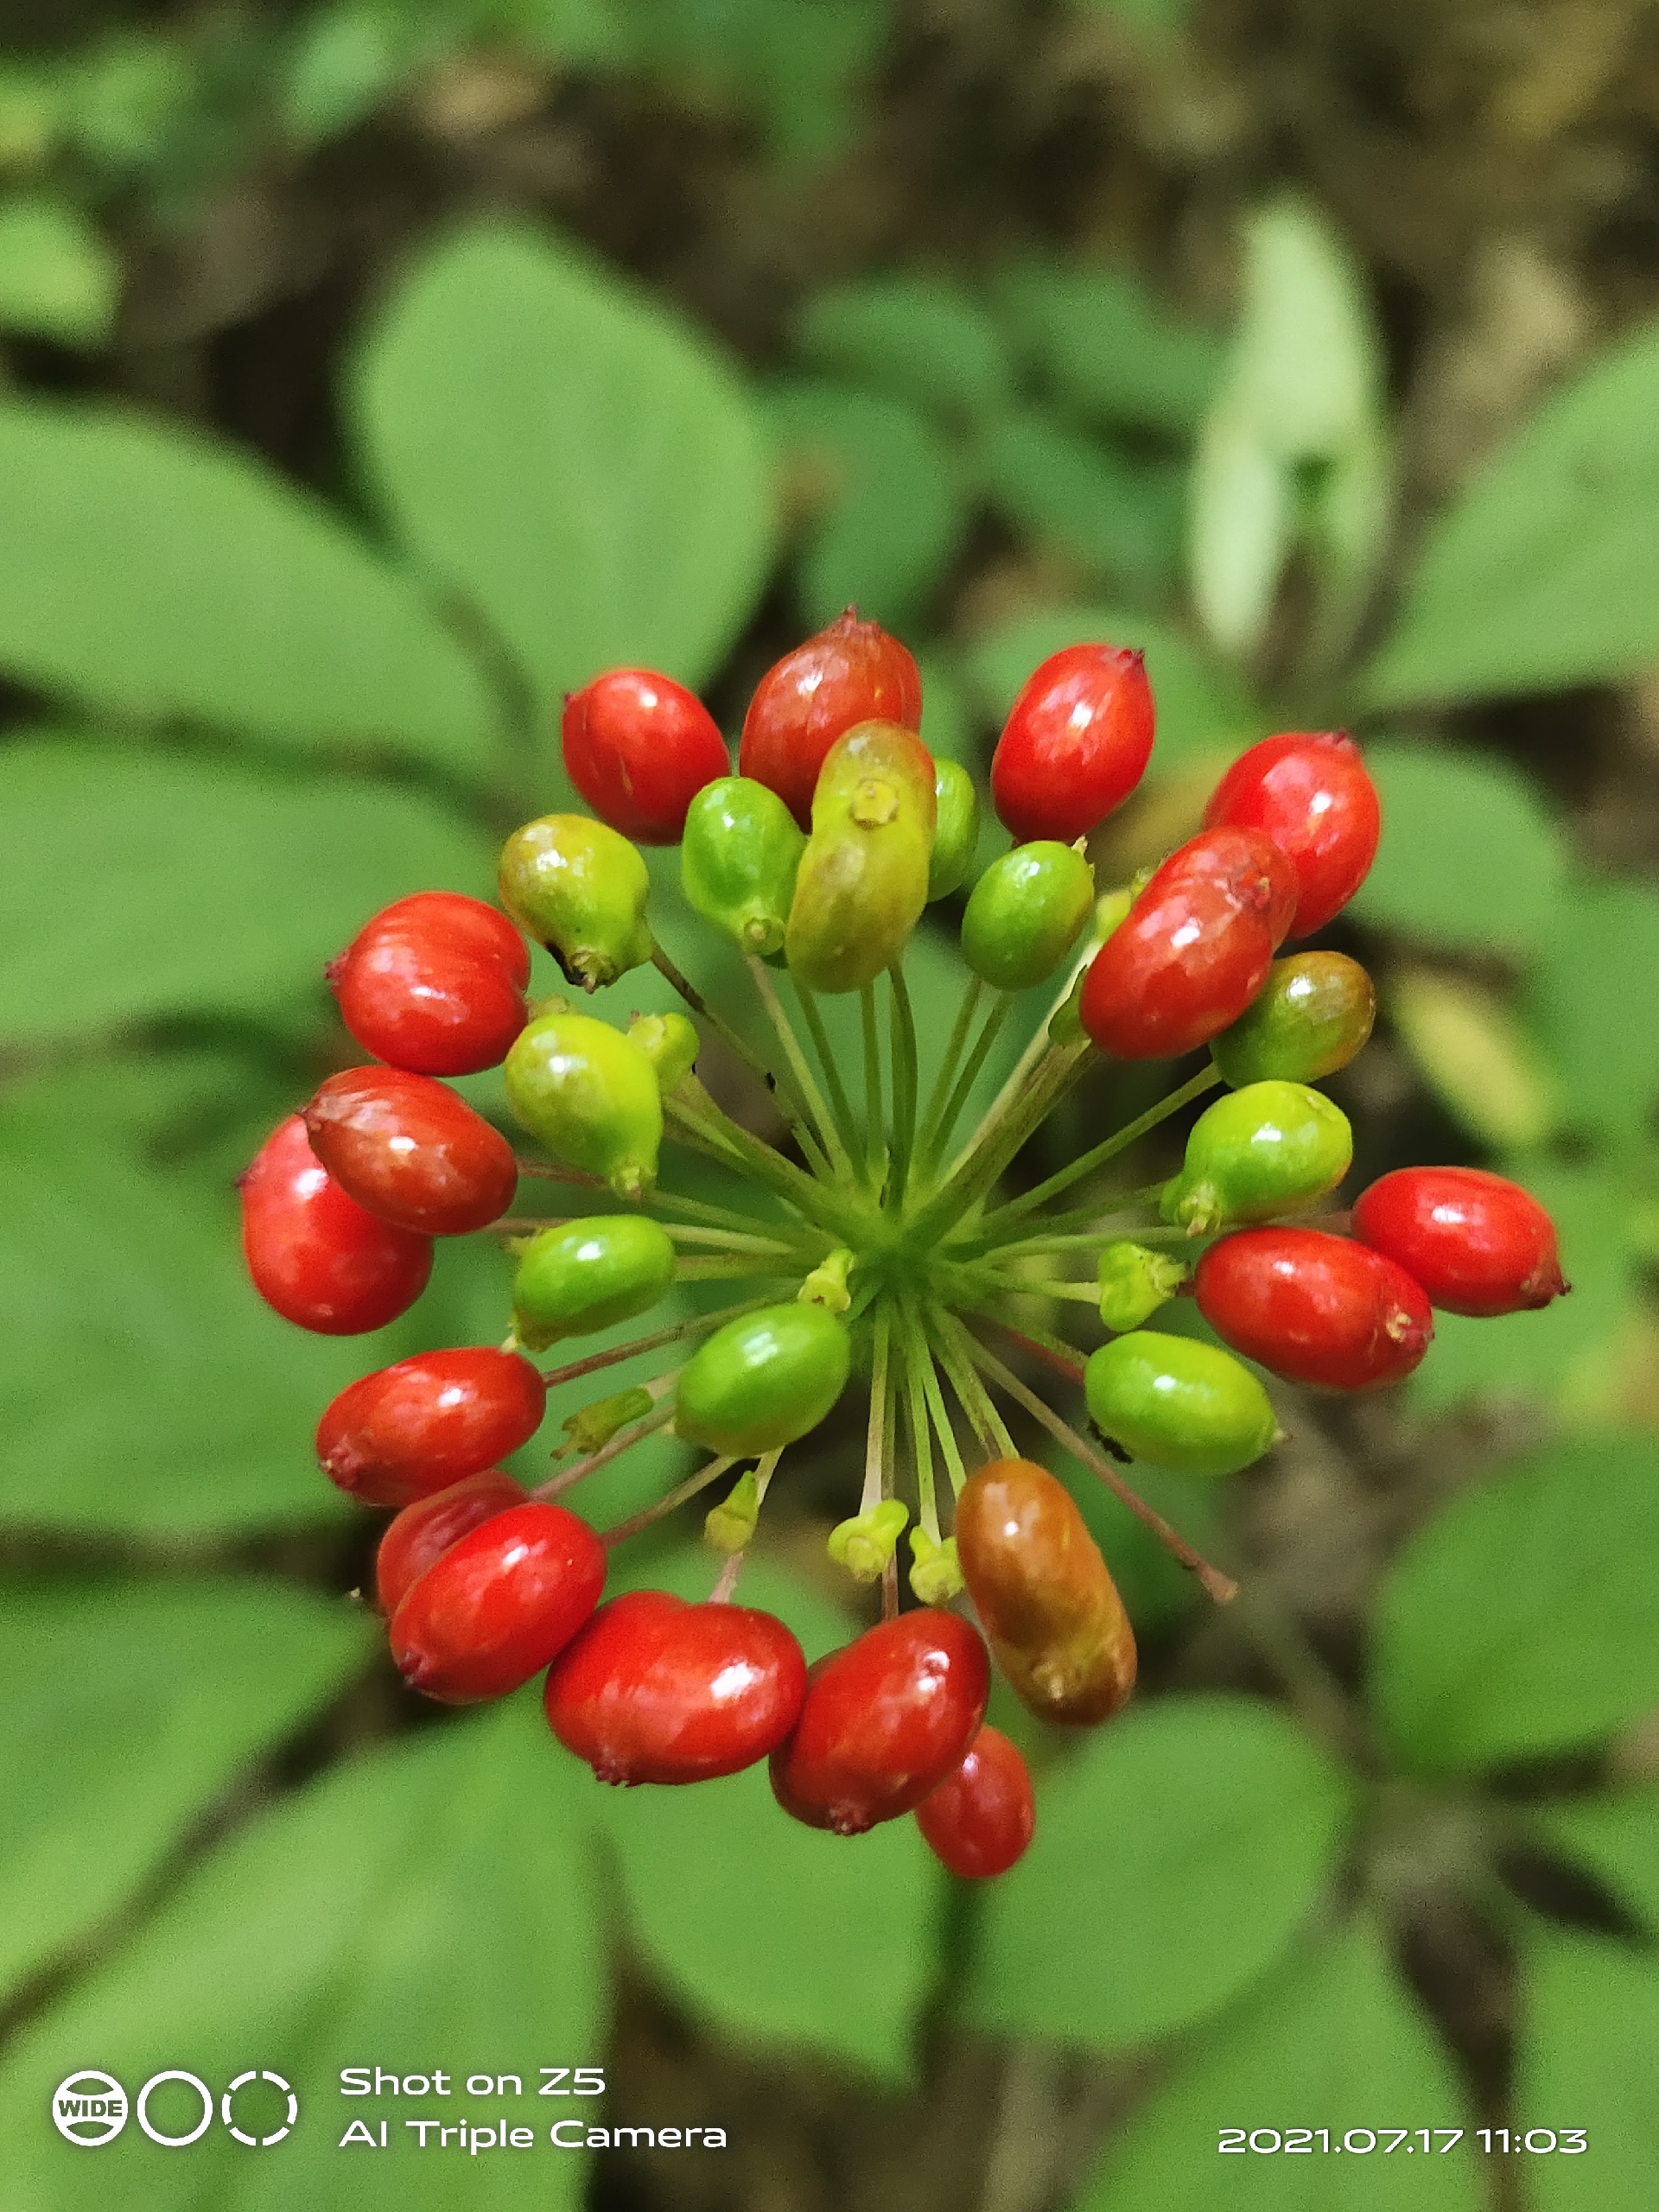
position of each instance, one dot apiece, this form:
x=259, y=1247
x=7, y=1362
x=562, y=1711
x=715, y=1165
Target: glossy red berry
x=640, y=747
x=496, y=1607
x=314, y=1254
x=849, y=673
x=1193, y=949
x=1075, y=744
x=423, y=1532
x=1476, y=1242
x=885, y=1719
x=979, y=1820
x=656, y=1690
x=435, y=984
x=1310, y=793
x=409, y=1149
x=1314, y=1308
x=408, y=1430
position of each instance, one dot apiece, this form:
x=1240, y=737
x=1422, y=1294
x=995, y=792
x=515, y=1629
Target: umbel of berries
x=878, y=1254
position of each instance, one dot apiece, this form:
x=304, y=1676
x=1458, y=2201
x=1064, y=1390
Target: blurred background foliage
x=372, y=372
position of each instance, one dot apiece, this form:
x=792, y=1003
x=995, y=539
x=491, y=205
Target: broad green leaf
x=426, y=1907
x=947, y=718
x=1584, y=2052
x=346, y=58
x=148, y=574
x=1545, y=572
x=581, y=467
x=1603, y=932
x=795, y=70
x=1119, y=520
x=1470, y=856
x=129, y=1709
x=1616, y=1837
x=1175, y=1861
x=922, y=339
x=143, y=882
x=1475, y=1057
x=58, y=278
x=1524, y=1618
x=1332, y=2043
x=1200, y=706
x=881, y=492
x=1106, y=346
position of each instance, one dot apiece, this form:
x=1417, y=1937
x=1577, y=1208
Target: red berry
x=980, y=1818
x=640, y=747
x=1476, y=1243
x=314, y=1254
x=496, y=1606
x=423, y=1532
x=1194, y=949
x=1310, y=793
x=656, y=1690
x=1314, y=1308
x=435, y=984
x=409, y=1149
x=885, y=1719
x=1075, y=744
x=406, y=1431
x=852, y=672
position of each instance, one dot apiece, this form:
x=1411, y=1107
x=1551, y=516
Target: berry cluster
x=881, y=1247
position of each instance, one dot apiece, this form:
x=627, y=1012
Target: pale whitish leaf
x=128, y=1709
x=147, y=574
x=426, y=1907
x=577, y=463
x=142, y=882
x=1332, y=2042
x=58, y=278
x=1588, y=2029
x=1475, y=1057
x=1177, y=1858
x=1524, y=1618
x=1242, y=527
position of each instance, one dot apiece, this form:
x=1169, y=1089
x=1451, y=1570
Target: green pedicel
x=1178, y=1403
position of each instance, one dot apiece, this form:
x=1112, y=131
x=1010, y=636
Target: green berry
x=670, y=1042
x=1259, y=1151
x=739, y=858
x=591, y=1096
x=1025, y=914
x=863, y=877
x=956, y=838
x=579, y=888
x=1135, y=1283
x=763, y=1379
x=588, y=1275
x=1312, y=1016
x=1178, y=1403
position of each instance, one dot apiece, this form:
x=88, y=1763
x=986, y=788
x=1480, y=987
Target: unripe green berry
x=863, y=877
x=865, y=1544
x=1135, y=1283
x=591, y=1096
x=1312, y=1016
x=763, y=1379
x=1259, y=1151
x=670, y=1042
x=578, y=887
x=1025, y=912
x=739, y=858
x=1178, y=1403
x=955, y=838
x=588, y=1275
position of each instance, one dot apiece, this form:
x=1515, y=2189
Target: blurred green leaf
x=140, y=882
x=1604, y=931
x=584, y=469
x=882, y=493
x=128, y=1709
x=1331, y=2042
x=1119, y=519
x=1106, y=346
x=1243, y=526
x=127, y=96
x=427, y=1906
x=1546, y=573
x=1470, y=856
x=1475, y=1057
x=1176, y=1859
x=797, y=69
x=1584, y=2059
x=947, y=718
x=1200, y=707
x=1155, y=1588
x=1616, y=1837
x=922, y=338
x=347, y=57
x=58, y=278
x=164, y=578
x=1524, y=1618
